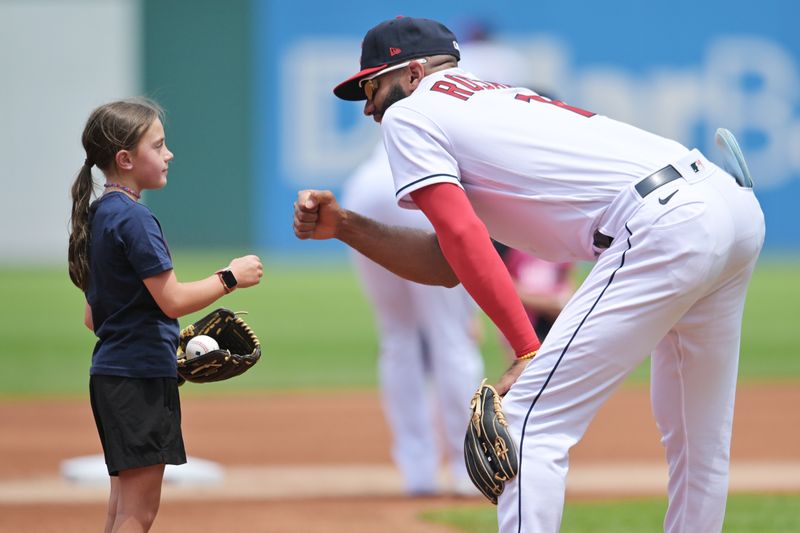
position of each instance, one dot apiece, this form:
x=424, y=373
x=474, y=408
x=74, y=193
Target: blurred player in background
x=118, y=257
x=544, y=287
x=429, y=363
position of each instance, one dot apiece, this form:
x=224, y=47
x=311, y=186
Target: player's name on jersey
x=462, y=87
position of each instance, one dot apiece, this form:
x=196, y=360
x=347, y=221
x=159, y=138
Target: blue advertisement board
x=680, y=69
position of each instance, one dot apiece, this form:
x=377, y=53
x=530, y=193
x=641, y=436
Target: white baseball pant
x=673, y=284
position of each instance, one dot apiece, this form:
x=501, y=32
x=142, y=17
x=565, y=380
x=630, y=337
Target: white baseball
x=200, y=345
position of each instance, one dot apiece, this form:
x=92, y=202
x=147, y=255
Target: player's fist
x=317, y=215
x=247, y=270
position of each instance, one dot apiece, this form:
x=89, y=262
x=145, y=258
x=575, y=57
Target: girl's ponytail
x=78, y=255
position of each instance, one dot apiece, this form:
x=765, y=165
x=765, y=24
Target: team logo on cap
x=394, y=51
x=455, y=45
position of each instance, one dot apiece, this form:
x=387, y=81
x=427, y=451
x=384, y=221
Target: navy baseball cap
x=394, y=41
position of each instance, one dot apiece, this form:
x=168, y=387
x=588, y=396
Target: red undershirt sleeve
x=466, y=245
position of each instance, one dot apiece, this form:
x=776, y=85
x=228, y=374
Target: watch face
x=229, y=279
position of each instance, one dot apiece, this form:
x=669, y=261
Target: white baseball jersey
x=544, y=177
x=520, y=158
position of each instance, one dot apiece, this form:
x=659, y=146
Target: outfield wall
x=679, y=68
x=251, y=118
x=58, y=60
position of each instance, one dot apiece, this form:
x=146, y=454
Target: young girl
x=119, y=258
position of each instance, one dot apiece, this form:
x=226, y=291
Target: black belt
x=644, y=187
x=656, y=180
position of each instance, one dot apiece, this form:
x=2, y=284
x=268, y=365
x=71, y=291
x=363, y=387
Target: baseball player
x=675, y=239
x=426, y=337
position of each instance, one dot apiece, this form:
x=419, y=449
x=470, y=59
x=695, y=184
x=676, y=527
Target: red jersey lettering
x=464, y=81
x=558, y=103
x=463, y=87
x=452, y=89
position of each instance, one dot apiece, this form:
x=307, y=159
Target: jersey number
x=559, y=103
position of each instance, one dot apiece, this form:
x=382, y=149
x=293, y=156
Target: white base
x=91, y=469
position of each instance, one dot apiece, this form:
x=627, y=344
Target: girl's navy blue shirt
x=135, y=338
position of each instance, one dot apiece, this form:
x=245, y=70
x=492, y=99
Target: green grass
x=315, y=326
x=746, y=513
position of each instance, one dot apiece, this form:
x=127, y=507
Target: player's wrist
x=527, y=356
x=351, y=228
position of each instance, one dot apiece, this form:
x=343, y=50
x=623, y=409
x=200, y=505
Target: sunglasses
x=370, y=85
x=370, y=88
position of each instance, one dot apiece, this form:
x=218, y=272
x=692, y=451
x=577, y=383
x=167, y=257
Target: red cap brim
x=349, y=89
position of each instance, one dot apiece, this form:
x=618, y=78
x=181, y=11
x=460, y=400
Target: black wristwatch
x=228, y=280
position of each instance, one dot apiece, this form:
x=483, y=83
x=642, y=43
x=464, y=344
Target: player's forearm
x=177, y=299
x=196, y=295
x=410, y=253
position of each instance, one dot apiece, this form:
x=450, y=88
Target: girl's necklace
x=124, y=188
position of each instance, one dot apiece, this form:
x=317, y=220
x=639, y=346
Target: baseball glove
x=489, y=451
x=238, y=351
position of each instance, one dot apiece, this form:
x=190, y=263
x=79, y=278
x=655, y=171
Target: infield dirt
x=314, y=462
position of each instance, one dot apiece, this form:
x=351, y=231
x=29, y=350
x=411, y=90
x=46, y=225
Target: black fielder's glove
x=239, y=348
x=489, y=451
